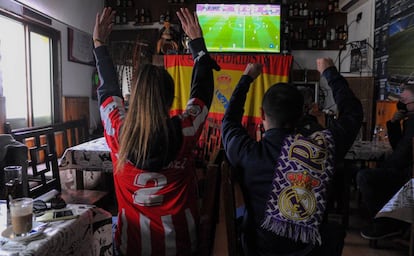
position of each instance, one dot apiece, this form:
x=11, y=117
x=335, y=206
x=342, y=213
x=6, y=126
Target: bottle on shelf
x=311, y=19
x=305, y=11
x=142, y=16
x=316, y=17
x=148, y=16
x=136, y=17
x=124, y=17
x=117, y=18
x=330, y=6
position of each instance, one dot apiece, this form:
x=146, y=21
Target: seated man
x=378, y=185
x=284, y=177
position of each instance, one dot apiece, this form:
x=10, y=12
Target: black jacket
x=257, y=160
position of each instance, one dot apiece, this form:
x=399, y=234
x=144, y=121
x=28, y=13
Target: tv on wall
x=251, y=28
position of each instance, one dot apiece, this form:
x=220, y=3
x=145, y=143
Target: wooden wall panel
x=363, y=88
x=75, y=108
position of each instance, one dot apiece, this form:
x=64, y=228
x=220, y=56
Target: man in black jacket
x=378, y=185
x=285, y=175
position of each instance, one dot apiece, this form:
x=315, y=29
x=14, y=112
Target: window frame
x=56, y=63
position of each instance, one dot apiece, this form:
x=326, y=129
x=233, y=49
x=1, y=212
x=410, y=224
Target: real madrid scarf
x=298, y=198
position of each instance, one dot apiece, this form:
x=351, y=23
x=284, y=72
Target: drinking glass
x=21, y=213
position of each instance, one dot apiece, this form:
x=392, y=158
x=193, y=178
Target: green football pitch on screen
x=231, y=33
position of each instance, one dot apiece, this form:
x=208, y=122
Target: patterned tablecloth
x=369, y=150
x=89, y=234
x=401, y=205
x=93, y=155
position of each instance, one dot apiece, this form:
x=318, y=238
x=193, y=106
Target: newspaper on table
x=401, y=205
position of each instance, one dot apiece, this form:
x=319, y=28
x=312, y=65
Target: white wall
x=357, y=31
x=364, y=29
x=79, y=14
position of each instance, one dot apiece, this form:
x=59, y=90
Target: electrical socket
x=359, y=17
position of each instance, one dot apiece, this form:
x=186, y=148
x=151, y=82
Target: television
x=250, y=28
x=400, y=64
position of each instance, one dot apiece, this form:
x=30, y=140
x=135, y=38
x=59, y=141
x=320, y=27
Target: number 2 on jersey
x=146, y=196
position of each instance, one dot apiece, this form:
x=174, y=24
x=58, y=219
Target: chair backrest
x=229, y=209
x=42, y=159
x=70, y=133
x=209, y=210
x=209, y=187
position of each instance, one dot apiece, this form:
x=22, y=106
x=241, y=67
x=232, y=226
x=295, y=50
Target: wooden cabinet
x=363, y=88
x=313, y=25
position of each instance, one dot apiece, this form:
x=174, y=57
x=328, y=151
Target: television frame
x=274, y=45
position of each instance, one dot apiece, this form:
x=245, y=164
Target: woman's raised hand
x=103, y=26
x=189, y=23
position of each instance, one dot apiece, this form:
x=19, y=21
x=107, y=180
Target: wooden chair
x=43, y=178
x=43, y=166
x=229, y=208
x=209, y=209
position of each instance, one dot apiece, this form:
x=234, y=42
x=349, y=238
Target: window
x=29, y=67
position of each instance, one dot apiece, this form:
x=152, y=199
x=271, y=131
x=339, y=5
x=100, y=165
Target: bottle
x=148, y=16
x=142, y=16
x=330, y=6
x=124, y=18
x=117, y=18
x=295, y=9
x=316, y=18
x=290, y=10
x=310, y=19
x=305, y=9
x=136, y=17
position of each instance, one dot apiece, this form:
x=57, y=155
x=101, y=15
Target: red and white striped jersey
x=157, y=211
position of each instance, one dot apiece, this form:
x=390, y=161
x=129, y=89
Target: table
x=401, y=207
x=89, y=234
x=359, y=153
x=92, y=155
x=369, y=151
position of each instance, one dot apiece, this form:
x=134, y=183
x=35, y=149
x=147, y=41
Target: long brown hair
x=150, y=101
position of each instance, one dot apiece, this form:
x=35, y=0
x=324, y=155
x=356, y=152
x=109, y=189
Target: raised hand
x=253, y=70
x=189, y=23
x=103, y=26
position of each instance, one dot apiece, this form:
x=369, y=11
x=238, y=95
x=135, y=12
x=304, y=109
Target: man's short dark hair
x=283, y=104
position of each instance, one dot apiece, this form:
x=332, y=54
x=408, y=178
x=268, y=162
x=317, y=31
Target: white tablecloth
x=93, y=155
x=401, y=205
x=369, y=150
x=89, y=234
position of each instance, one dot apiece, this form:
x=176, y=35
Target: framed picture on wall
x=80, y=47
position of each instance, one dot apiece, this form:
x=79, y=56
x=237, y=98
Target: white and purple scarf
x=298, y=198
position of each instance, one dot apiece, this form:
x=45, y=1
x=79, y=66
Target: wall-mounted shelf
x=133, y=26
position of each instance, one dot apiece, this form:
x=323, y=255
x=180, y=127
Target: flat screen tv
x=250, y=28
x=400, y=66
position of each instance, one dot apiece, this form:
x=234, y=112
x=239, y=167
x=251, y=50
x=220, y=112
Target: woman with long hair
x=151, y=152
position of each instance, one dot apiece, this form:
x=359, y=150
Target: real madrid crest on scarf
x=298, y=198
